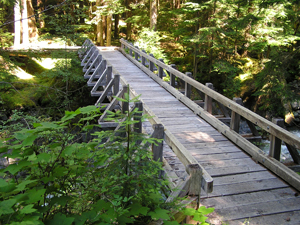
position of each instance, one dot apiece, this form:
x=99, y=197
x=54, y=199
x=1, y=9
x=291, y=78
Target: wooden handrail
x=257, y=154
x=241, y=110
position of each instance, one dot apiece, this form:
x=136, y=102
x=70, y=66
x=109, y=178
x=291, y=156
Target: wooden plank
x=231, y=162
x=222, y=144
x=240, y=178
x=247, y=187
x=231, y=170
x=196, y=140
x=202, y=151
x=221, y=156
x=290, y=218
x=260, y=209
x=248, y=198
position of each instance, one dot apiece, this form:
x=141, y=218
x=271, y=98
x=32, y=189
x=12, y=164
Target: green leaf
x=205, y=210
x=43, y=157
x=171, y=223
x=189, y=211
x=49, y=126
x=29, y=220
x=137, y=209
x=29, y=140
x=160, y=214
x=35, y=195
x=14, y=168
x=200, y=217
x=88, y=109
x=28, y=209
x=69, y=150
x=63, y=200
x=6, y=206
x=21, y=186
x=6, y=187
x=70, y=115
x=61, y=219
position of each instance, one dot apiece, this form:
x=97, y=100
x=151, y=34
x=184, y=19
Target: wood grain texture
x=243, y=189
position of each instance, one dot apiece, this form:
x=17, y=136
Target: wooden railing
x=148, y=63
x=100, y=73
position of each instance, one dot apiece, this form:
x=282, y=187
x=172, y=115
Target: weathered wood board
x=243, y=189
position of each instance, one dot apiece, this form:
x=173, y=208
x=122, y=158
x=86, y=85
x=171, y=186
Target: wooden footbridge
x=243, y=184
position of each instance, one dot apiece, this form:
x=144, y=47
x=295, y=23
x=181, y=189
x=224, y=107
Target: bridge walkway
x=244, y=191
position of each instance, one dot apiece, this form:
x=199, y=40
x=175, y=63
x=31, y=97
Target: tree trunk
x=17, y=39
x=104, y=33
x=25, y=24
x=108, y=33
x=128, y=15
x=99, y=31
x=33, y=31
x=153, y=14
x=116, y=34
x=40, y=9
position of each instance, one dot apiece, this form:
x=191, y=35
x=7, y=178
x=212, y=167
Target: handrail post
x=275, y=145
x=208, y=100
x=138, y=117
x=130, y=50
x=116, y=84
x=188, y=87
x=235, y=117
x=125, y=105
x=143, y=59
x=195, y=172
x=160, y=70
x=172, y=76
x=136, y=55
x=157, y=149
x=151, y=64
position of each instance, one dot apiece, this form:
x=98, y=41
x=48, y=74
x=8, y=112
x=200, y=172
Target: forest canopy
x=247, y=49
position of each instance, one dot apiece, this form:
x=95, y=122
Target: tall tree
x=33, y=31
x=17, y=18
x=25, y=31
x=153, y=14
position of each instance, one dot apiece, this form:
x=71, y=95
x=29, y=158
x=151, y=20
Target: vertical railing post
x=275, y=145
x=188, y=87
x=161, y=70
x=130, y=50
x=172, y=76
x=158, y=148
x=136, y=55
x=138, y=117
x=116, y=84
x=143, y=59
x=208, y=100
x=125, y=105
x=151, y=64
x=235, y=117
x=195, y=172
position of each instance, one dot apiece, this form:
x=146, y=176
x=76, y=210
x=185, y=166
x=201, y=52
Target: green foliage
x=16, y=122
x=63, y=22
x=150, y=42
x=59, y=177
x=199, y=215
x=62, y=87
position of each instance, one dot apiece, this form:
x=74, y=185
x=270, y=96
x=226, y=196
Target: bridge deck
x=243, y=190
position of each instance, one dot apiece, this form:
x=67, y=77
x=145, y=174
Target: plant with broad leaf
x=72, y=172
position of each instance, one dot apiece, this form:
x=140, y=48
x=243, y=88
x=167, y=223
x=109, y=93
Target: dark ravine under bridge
x=244, y=185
